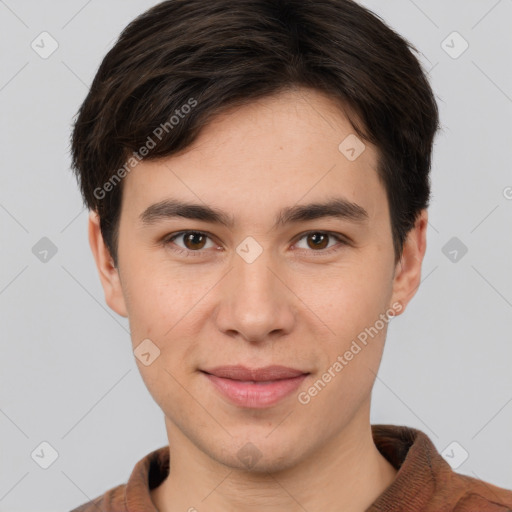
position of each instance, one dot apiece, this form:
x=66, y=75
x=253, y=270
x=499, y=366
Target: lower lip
x=257, y=395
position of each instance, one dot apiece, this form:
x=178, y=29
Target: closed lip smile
x=255, y=388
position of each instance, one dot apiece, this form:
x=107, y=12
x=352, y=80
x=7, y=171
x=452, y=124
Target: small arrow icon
x=454, y=249
x=249, y=455
x=146, y=352
x=455, y=454
x=44, y=250
x=351, y=147
x=454, y=45
x=249, y=249
x=44, y=455
x=44, y=44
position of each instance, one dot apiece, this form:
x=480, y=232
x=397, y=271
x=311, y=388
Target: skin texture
x=295, y=305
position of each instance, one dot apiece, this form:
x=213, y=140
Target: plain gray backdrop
x=68, y=376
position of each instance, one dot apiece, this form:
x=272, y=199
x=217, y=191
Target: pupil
x=315, y=236
x=190, y=239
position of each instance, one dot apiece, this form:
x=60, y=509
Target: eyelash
x=167, y=241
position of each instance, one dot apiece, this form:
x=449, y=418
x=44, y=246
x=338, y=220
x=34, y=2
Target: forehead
x=276, y=151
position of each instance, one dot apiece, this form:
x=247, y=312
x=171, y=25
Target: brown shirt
x=424, y=482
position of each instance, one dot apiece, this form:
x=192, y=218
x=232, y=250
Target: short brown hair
x=218, y=54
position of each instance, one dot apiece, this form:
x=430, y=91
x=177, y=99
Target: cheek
x=168, y=311
x=351, y=305
x=157, y=299
x=346, y=298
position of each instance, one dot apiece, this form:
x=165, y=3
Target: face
x=273, y=287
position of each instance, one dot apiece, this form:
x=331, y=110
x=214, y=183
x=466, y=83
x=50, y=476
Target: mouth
x=255, y=388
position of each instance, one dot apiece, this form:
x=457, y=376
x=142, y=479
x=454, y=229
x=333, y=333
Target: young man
x=258, y=179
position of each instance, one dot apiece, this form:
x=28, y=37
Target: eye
x=193, y=241
x=318, y=241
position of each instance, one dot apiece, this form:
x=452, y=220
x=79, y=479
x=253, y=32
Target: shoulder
x=113, y=500
x=482, y=496
x=148, y=473
x=425, y=480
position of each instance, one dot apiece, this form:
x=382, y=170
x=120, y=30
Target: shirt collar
x=409, y=450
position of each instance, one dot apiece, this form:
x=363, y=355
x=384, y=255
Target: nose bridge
x=254, y=278
x=256, y=302
x=255, y=283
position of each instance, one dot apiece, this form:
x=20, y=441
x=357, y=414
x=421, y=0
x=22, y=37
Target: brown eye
x=319, y=241
x=194, y=241
x=191, y=242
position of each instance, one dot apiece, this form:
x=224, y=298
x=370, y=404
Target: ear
x=109, y=274
x=407, y=276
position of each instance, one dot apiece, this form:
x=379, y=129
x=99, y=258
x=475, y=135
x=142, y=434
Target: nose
x=256, y=304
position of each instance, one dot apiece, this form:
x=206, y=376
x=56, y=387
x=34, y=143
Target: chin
x=259, y=454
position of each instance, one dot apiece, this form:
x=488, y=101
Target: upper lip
x=267, y=373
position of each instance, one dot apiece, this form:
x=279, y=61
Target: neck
x=348, y=471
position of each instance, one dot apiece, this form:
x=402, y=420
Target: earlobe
x=109, y=274
x=407, y=276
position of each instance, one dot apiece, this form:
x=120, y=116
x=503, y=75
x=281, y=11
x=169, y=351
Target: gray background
x=68, y=376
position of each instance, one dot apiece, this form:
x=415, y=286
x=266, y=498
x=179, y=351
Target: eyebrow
x=338, y=207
